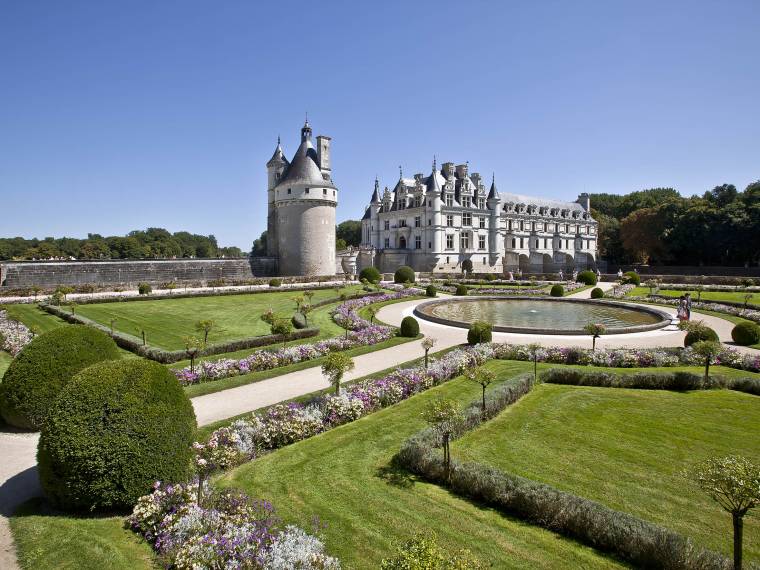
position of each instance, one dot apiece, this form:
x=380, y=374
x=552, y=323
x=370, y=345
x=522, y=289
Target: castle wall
x=306, y=238
x=52, y=273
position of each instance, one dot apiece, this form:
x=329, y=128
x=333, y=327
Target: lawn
x=733, y=296
x=5, y=362
x=32, y=316
x=344, y=477
x=626, y=449
x=167, y=321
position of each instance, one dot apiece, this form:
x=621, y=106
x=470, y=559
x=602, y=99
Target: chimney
x=585, y=201
x=323, y=152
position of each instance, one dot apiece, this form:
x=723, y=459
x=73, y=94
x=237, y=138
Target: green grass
x=733, y=296
x=626, y=449
x=344, y=477
x=5, y=362
x=33, y=316
x=167, y=321
x=48, y=539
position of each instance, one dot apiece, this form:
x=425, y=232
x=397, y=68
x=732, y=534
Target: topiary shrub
x=480, y=331
x=371, y=274
x=404, y=274
x=698, y=333
x=275, y=282
x=144, y=288
x=114, y=430
x=746, y=333
x=36, y=376
x=298, y=321
x=461, y=290
x=431, y=291
x=409, y=327
x=587, y=277
x=597, y=293
x=632, y=277
x=557, y=290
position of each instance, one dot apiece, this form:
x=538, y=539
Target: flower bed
x=363, y=333
x=620, y=291
x=229, y=530
x=14, y=335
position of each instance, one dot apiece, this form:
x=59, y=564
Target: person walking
x=688, y=306
x=682, y=312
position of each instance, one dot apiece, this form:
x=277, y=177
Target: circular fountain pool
x=542, y=316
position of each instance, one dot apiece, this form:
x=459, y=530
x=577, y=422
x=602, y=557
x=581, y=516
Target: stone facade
x=301, y=201
x=435, y=223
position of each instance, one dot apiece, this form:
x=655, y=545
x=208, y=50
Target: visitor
x=561, y=275
x=511, y=276
x=598, y=274
x=620, y=273
x=688, y=306
x=575, y=275
x=682, y=312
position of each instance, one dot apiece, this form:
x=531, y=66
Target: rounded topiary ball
x=115, y=429
x=461, y=290
x=697, y=334
x=557, y=290
x=597, y=293
x=36, y=376
x=371, y=274
x=746, y=333
x=587, y=277
x=632, y=277
x=431, y=291
x=409, y=327
x=404, y=274
x=480, y=331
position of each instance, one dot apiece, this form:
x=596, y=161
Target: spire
x=376, y=192
x=432, y=182
x=493, y=194
x=400, y=172
x=278, y=155
x=434, y=165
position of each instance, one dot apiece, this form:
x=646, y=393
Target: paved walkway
x=18, y=476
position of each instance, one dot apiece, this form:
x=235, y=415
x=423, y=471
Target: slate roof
x=304, y=169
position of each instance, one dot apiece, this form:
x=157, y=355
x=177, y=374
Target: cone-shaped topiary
x=409, y=327
x=746, y=333
x=36, y=376
x=597, y=293
x=557, y=290
x=371, y=274
x=115, y=429
x=404, y=274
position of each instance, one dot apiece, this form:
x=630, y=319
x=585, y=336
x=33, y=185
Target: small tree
x=192, y=347
x=443, y=416
x=734, y=483
x=427, y=343
x=282, y=327
x=336, y=364
x=343, y=298
x=747, y=298
x=484, y=378
x=709, y=350
x=653, y=284
x=305, y=310
x=699, y=289
x=372, y=312
x=112, y=320
x=141, y=332
x=64, y=291
x=269, y=317
x=73, y=307
x=338, y=291
x=534, y=348
x=298, y=300
x=308, y=295
x=204, y=327
x=596, y=330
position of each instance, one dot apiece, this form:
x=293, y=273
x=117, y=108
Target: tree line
x=348, y=233
x=153, y=243
x=661, y=227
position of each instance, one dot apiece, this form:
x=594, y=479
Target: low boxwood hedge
x=36, y=376
x=114, y=430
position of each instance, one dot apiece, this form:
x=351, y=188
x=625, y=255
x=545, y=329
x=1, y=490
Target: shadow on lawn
x=394, y=474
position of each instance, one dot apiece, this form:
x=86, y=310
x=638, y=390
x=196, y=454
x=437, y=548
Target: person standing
x=681, y=313
x=620, y=273
x=688, y=306
x=561, y=275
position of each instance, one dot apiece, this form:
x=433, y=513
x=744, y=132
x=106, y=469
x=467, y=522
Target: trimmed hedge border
x=631, y=539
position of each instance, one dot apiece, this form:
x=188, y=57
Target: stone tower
x=302, y=201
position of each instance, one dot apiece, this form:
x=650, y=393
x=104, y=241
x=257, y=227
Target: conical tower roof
x=279, y=156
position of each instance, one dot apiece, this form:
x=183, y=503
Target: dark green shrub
x=632, y=277
x=587, y=277
x=144, y=289
x=275, y=282
x=404, y=274
x=461, y=290
x=597, y=293
x=746, y=333
x=480, y=331
x=371, y=274
x=557, y=290
x=409, y=327
x=298, y=321
x=699, y=333
x=36, y=376
x=115, y=429
x=431, y=291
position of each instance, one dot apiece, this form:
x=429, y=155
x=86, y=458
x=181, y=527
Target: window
x=416, y=201
x=466, y=219
x=521, y=243
x=449, y=243
x=465, y=241
x=567, y=244
x=447, y=259
x=386, y=224
x=387, y=243
x=307, y=190
x=509, y=224
x=481, y=242
x=449, y=199
x=289, y=189
x=533, y=226
x=546, y=243
x=567, y=228
x=450, y=220
x=482, y=203
x=324, y=191
x=466, y=202
x=417, y=242
x=430, y=245
x=402, y=223
x=514, y=243
x=402, y=242
x=522, y=226
x=484, y=261
x=482, y=222
x=417, y=221
x=429, y=222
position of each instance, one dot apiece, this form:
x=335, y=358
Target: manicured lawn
x=5, y=362
x=48, y=539
x=627, y=449
x=33, y=316
x=733, y=296
x=344, y=477
x=167, y=321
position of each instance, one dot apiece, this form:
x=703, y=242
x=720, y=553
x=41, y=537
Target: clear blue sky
x=122, y=115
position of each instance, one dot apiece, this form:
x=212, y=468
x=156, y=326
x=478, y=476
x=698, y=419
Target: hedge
x=41, y=370
x=678, y=380
x=115, y=429
x=557, y=290
x=587, y=277
x=746, y=334
x=632, y=539
x=404, y=274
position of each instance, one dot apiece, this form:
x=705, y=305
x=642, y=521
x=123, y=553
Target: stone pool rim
x=665, y=318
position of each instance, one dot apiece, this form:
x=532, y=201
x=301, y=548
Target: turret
x=434, y=191
x=493, y=202
x=375, y=205
x=275, y=167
